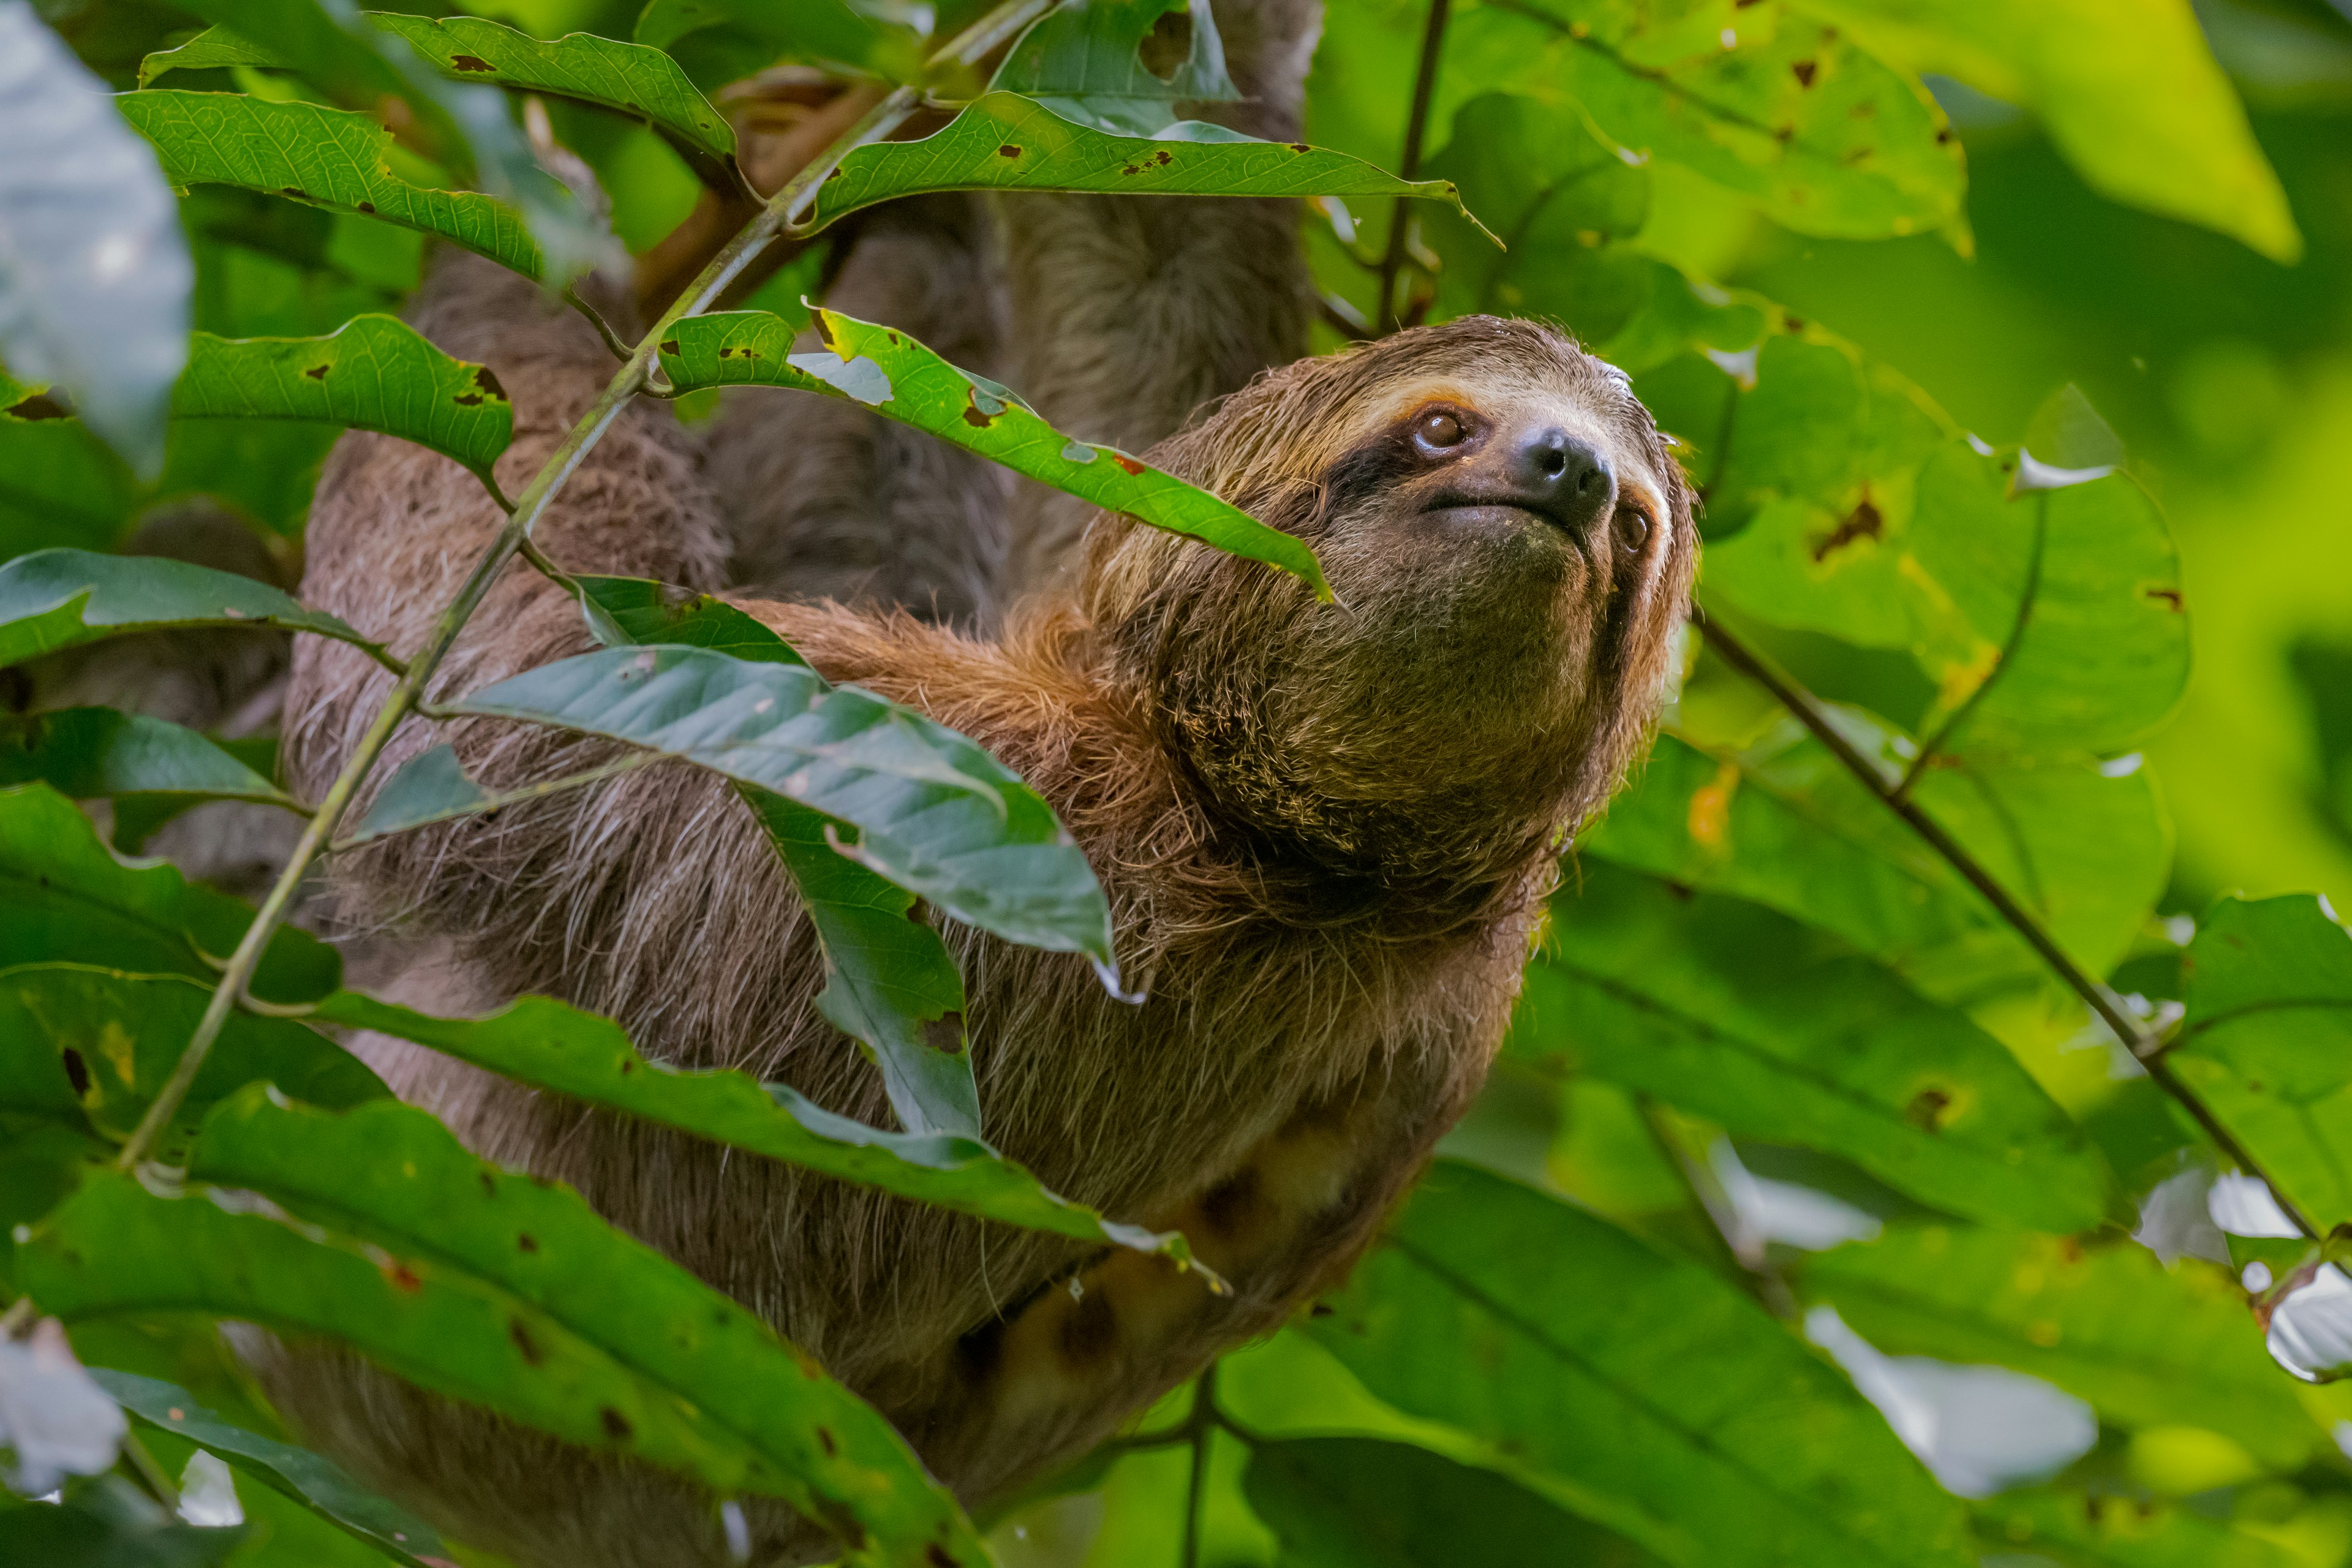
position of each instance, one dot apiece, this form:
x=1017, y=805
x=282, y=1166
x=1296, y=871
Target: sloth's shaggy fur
x=1325, y=831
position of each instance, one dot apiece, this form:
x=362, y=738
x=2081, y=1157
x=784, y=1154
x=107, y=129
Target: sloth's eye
x=1437, y=430
x=1632, y=526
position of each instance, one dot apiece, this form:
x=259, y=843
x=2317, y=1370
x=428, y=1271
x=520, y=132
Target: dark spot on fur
x=40, y=405
x=403, y=1278
x=1803, y=71
x=978, y=1351
x=1229, y=1203
x=2168, y=597
x=1090, y=1331
x=945, y=1033
x=616, y=1425
x=528, y=1348
x=824, y=1441
x=1127, y=463
x=318, y=372
x=368, y=207
x=1862, y=522
x=77, y=1071
x=1927, y=1110
x=1008, y=151
x=470, y=63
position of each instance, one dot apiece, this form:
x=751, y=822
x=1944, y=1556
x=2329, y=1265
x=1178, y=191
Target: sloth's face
x=1511, y=545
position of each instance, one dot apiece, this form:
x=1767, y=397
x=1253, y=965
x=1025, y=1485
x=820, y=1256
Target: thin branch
x=783, y=210
x=1199, y=1426
x=1424, y=86
x=151, y=1477
x=2108, y=1007
x=621, y=351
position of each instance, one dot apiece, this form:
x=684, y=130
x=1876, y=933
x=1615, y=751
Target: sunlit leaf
x=491, y=1289
x=64, y=898
x=898, y=377
x=2106, y=1323
x=1738, y=1015
x=2267, y=1043
x=55, y=599
x=1084, y=61
x=588, y=1059
x=2118, y=1531
x=1006, y=142
x=1358, y=1502
x=375, y=372
x=934, y=812
x=94, y=269
x=1655, y=1397
x=318, y=1484
x=2130, y=92
x=330, y=158
x=754, y=33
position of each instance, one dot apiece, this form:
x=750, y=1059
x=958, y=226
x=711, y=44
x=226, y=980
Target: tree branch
x=1424, y=86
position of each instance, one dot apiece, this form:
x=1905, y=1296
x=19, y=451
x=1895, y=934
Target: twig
x=151, y=1477
x=621, y=351
x=1424, y=86
x=1199, y=1427
x=2108, y=1007
x=783, y=210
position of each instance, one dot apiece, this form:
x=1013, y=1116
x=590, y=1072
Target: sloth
x=1325, y=830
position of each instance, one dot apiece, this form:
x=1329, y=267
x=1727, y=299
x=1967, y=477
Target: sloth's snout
x=1562, y=477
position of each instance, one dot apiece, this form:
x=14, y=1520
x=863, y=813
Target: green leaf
x=627, y=78
x=890, y=980
x=467, y=129
x=1744, y=1017
x=55, y=599
x=2052, y=625
x=329, y=158
x=934, y=812
x=2110, y=1531
x=88, y=752
x=94, y=269
x=109, y=1523
x=432, y=786
x=493, y=1288
x=2130, y=93
x=110, y=1040
x=1359, y=1502
x=2267, y=1043
x=1647, y=1394
x=373, y=373
x=63, y=896
x=890, y=983
x=751, y=34
x=543, y=1042
x=318, y=1484
x=1775, y=106
x=2104, y=1322
x=1084, y=61
x=902, y=380
x=1005, y=143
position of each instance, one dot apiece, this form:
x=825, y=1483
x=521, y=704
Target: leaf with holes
x=1006, y=142
x=2267, y=1043
x=626, y=610
x=1738, y=1015
x=542, y=1042
x=902, y=380
x=493, y=1288
x=94, y=269
x=63, y=896
x=1089, y=63
x=318, y=1484
x=1772, y=105
x=373, y=373
x=98, y=753
x=934, y=812
x=1668, y=1405
x=55, y=599
x=2145, y=1345
x=329, y=158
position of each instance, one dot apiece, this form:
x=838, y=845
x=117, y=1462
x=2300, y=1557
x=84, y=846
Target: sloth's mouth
x=1542, y=508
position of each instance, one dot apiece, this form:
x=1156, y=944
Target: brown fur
x=1325, y=832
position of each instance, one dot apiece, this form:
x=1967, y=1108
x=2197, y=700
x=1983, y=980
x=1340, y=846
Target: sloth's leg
x=828, y=501
x=1131, y=314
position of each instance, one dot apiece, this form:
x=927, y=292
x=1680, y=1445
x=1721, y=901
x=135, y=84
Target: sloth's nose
x=1567, y=478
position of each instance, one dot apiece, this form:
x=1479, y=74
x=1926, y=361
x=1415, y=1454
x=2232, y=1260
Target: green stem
x=2105, y=1005
x=783, y=210
x=1385, y=317
x=1201, y=1427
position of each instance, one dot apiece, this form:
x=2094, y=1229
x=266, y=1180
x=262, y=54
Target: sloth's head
x=1511, y=545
